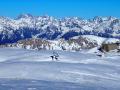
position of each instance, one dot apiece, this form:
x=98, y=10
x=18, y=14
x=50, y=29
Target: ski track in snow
x=34, y=70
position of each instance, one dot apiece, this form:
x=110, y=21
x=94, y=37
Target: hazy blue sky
x=61, y=8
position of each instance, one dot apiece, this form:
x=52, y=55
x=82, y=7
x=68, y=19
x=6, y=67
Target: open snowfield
x=34, y=70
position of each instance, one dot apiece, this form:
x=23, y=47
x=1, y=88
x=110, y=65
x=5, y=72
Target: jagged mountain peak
x=24, y=16
x=5, y=18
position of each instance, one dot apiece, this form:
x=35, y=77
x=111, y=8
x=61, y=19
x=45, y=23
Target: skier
x=54, y=56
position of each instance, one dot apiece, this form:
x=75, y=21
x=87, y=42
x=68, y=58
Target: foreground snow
x=33, y=70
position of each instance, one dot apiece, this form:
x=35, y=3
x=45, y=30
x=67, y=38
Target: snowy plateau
x=28, y=42
x=22, y=69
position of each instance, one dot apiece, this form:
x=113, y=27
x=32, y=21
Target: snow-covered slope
x=98, y=39
x=111, y=40
x=28, y=26
x=34, y=70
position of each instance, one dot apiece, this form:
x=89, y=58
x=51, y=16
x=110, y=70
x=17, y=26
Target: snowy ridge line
x=73, y=44
x=76, y=43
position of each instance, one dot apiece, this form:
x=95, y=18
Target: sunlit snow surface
x=34, y=70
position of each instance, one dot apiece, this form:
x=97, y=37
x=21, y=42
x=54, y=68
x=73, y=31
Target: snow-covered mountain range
x=50, y=28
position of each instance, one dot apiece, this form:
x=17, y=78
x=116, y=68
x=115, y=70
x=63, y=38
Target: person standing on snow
x=55, y=56
x=52, y=57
